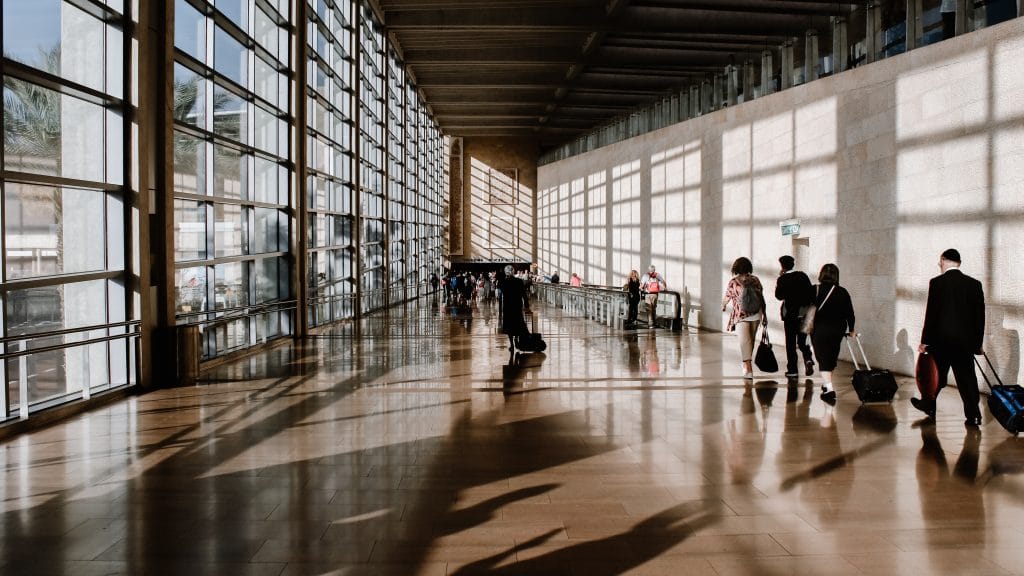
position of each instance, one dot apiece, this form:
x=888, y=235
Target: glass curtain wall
x=331, y=220
x=69, y=326
x=372, y=191
x=232, y=191
x=398, y=277
x=431, y=187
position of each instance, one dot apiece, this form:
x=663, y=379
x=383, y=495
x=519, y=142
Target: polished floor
x=413, y=444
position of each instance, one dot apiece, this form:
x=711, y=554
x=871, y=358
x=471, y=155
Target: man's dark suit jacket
x=954, y=321
x=795, y=290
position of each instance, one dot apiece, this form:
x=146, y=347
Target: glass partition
x=65, y=224
x=232, y=120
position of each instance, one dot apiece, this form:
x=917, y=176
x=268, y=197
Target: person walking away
x=652, y=284
x=513, y=303
x=833, y=320
x=746, y=296
x=954, y=329
x=795, y=291
x=632, y=289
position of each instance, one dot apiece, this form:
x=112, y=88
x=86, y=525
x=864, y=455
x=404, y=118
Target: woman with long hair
x=833, y=320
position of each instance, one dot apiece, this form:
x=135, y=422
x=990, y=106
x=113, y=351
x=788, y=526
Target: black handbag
x=764, y=359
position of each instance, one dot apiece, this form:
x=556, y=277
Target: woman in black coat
x=833, y=320
x=513, y=302
x=632, y=289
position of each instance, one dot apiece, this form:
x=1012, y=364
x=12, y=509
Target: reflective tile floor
x=413, y=444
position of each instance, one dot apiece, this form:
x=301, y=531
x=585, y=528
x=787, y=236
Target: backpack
x=750, y=298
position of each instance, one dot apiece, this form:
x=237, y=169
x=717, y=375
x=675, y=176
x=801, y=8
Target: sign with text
x=790, y=227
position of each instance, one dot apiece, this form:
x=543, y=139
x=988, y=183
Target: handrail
x=134, y=333
x=246, y=312
x=66, y=331
x=604, y=303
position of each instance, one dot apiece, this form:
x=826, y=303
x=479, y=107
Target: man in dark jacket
x=954, y=328
x=794, y=289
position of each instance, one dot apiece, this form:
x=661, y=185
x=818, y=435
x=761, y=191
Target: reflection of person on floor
x=649, y=361
x=633, y=350
x=938, y=489
x=744, y=448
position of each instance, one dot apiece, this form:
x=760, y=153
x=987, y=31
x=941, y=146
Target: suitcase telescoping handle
x=854, y=356
x=991, y=367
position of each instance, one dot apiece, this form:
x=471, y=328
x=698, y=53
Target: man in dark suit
x=954, y=327
x=794, y=289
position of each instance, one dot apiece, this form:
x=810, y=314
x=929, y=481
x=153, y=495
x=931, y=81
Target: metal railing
x=220, y=333
x=609, y=305
x=18, y=397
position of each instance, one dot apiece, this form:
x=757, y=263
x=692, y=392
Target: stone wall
x=499, y=183
x=885, y=166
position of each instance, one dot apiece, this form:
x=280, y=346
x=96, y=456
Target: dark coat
x=513, y=300
x=834, y=315
x=955, y=318
x=795, y=290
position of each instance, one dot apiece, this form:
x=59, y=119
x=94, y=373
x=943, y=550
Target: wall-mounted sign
x=790, y=227
x=487, y=260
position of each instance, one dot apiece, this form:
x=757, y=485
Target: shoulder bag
x=807, y=327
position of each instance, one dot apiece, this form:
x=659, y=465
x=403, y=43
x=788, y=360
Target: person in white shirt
x=652, y=284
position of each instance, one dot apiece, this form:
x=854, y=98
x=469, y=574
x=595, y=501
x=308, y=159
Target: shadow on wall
x=885, y=166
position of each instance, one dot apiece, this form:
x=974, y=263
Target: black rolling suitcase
x=532, y=342
x=1006, y=402
x=871, y=384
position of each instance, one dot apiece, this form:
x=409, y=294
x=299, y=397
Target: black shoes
x=810, y=368
x=926, y=407
x=973, y=422
x=828, y=396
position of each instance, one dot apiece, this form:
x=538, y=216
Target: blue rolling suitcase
x=1006, y=402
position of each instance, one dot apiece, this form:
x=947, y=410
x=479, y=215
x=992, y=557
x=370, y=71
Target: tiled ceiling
x=553, y=69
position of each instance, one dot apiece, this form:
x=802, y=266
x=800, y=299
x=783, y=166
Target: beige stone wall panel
x=886, y=165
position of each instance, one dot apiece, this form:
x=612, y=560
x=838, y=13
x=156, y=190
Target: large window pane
x=236, y=10
x=190, y=287
x=52, y=134
x=230, y=233
x=229, y=172
x=189, y=230
x=53, y=230
x=229, y=114
x=61, y=39
x=271, y=231
x=32, y=33
x=266, y=187
x=189, y=30
x=189, y=97
x=231, y=288
x=35, y=310
x=268, y=280
x=229, y=57
x=189, y=164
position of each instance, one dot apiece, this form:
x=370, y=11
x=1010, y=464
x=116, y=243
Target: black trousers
x=966, y=378
x=631, y=315
x=795, y=339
